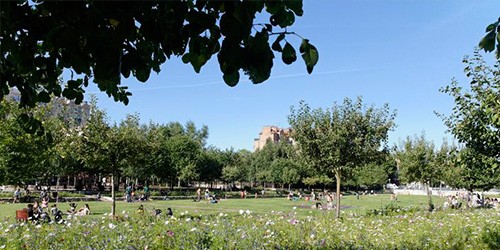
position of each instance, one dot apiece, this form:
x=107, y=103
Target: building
x=76, y=114
x=272, y=134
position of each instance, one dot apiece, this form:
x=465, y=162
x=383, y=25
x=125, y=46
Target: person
x=169, y=212
x=17, y=196
x=198, y=194
x=207, y=194
x=84, y=210
x=146, y=193
x=140, y=210
x=45, y=202
x=57, y=214
x=313, y=196
x=128, y=193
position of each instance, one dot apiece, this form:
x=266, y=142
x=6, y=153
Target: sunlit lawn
x=255, y=205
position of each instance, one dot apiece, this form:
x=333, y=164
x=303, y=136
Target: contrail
x=246, y=80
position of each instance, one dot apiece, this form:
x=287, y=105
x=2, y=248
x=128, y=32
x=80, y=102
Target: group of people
x=42, y=213
x=210, y=198
x=471, y=200
x=156, y=212
x=131, y=196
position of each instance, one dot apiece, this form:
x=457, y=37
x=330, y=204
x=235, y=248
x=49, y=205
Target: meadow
x=260, y=224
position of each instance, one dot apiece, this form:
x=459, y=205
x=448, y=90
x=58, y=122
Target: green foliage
x=338, y=140
x=475, y=122
x=105, y=41
x=416, y=161
x=491, y=38
x=25, y=157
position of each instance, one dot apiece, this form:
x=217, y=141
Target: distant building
x=272, y=134
x=69, y=111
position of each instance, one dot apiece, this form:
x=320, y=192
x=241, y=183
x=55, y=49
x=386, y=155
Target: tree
x=105, y=148
x=475, y=122
x=184, y=152
x=105, y=40
x=24, y=157
x=416, y=158
x=336, y=141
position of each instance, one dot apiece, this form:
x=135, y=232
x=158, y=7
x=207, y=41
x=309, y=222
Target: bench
x=22, y=215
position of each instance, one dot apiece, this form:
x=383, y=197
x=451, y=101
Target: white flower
x=38, y=226
x=221, y=214
x=247, y=212
x=123, y=212
x=166, y=222
x=193, y=229
x=111, y=226
x=188, y=219
x=241, y=211
x=294, y=208
x=312, y=236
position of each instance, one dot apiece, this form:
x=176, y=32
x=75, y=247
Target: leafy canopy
x=475, y=122
x=105, y=40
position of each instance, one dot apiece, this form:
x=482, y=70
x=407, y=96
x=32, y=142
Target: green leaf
x=296, y=6
x=186, y=58
x=309, y=54
x=231, y=79
x=276, y=45
x=488, y=42
x=288, y=55
x=43, y=97
x=142, y=73
x=491, y=26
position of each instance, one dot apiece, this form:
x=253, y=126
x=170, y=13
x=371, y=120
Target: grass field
x=269, y=224
x=348, y=204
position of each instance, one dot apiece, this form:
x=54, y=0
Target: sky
x=398, y=52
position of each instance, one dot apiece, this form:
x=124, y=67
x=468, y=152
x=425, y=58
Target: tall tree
x=24, y=157
x=105, y=40
x=339, y=139
x=475, y=121
x=416, y=158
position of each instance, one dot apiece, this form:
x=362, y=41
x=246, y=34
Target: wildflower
x=247, y=212
x=241, y=211
x=111, y=226
x=294, y=208
x=166, y=222
x=193, y=229
x=170, y=233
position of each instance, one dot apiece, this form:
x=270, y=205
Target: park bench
x=22, y=215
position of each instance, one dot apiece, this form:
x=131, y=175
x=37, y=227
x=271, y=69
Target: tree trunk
x=113, y=206
x=429, y=196
x=337, y=177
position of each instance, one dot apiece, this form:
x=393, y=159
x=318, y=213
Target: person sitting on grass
x=83, y=211
x=169, y=212
x=72, y=209
x=140, y=210
x=58, y=215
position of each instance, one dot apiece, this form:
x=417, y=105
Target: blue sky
x=398, y=52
